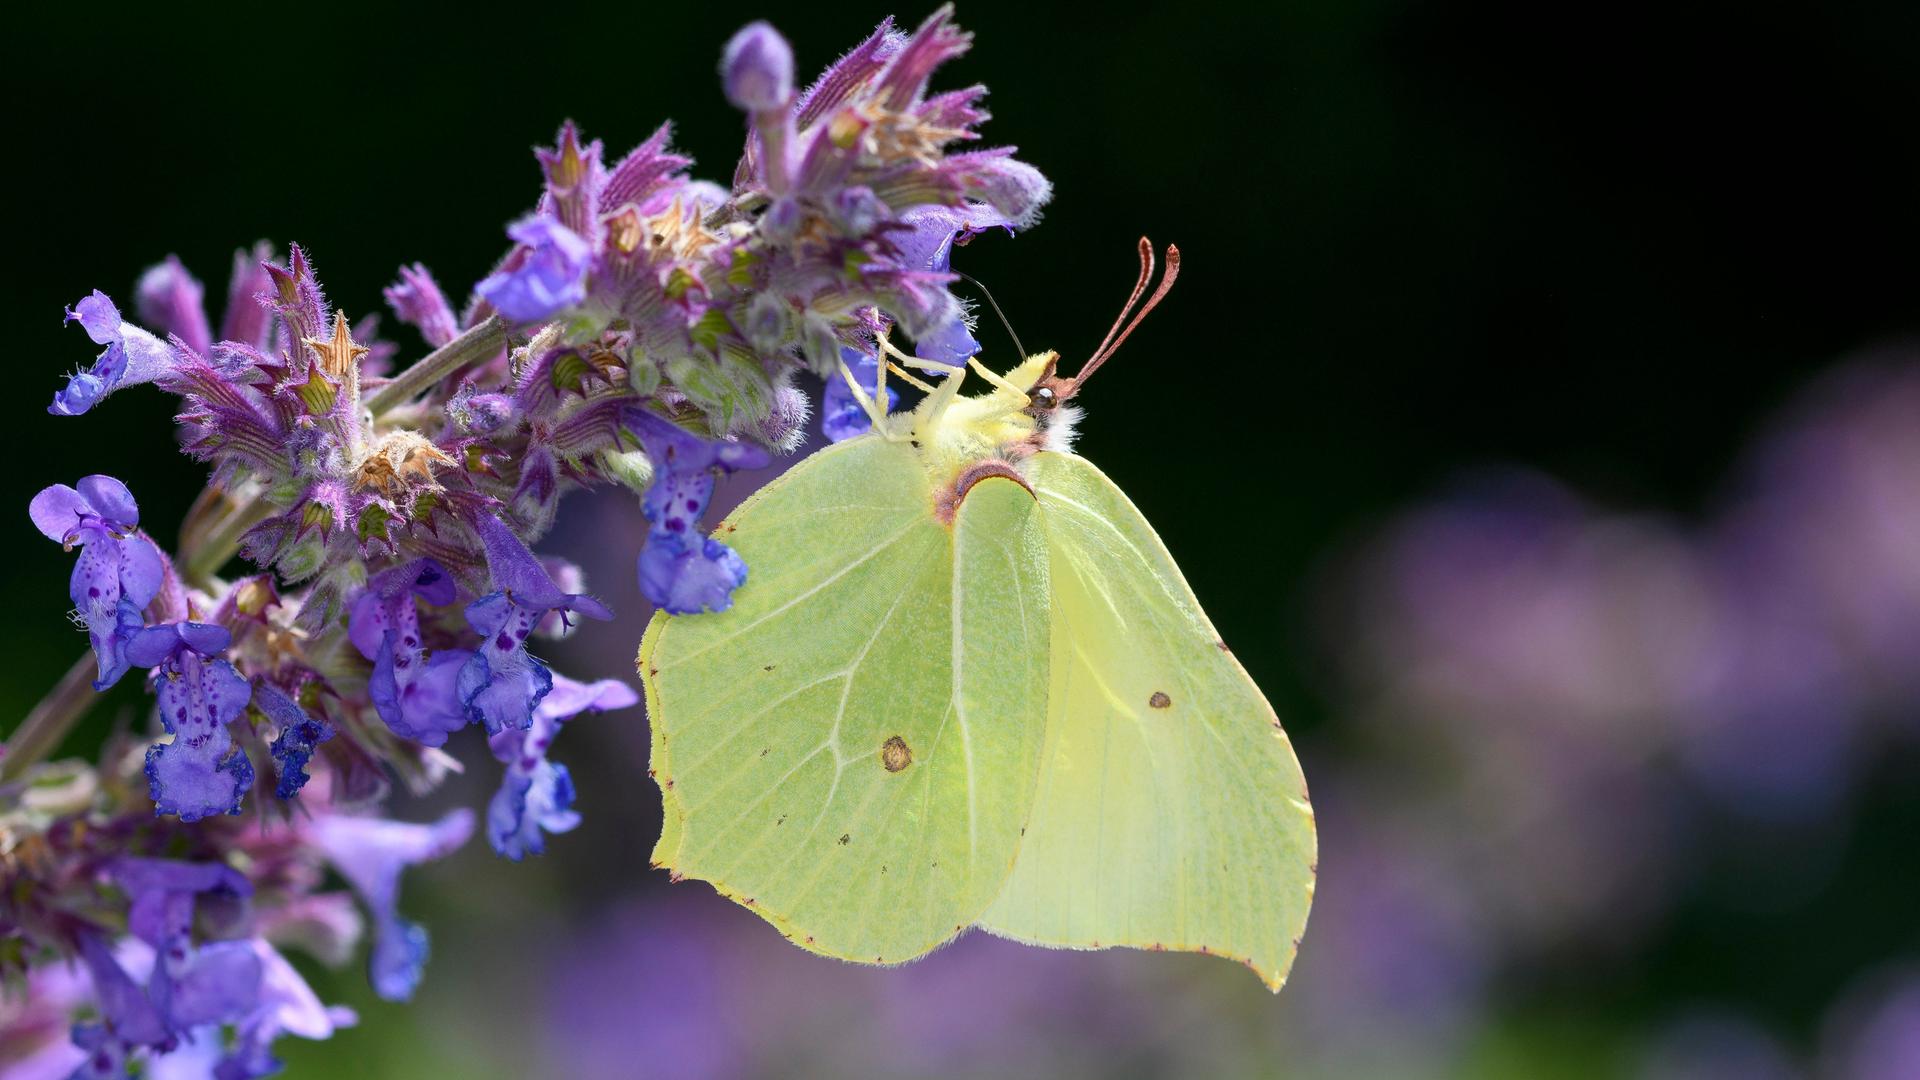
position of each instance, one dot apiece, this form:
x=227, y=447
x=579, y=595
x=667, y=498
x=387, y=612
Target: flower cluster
x=646, y=330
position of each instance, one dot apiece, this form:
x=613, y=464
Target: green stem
x=476, y=344
x=222, y=542
x=47, y=725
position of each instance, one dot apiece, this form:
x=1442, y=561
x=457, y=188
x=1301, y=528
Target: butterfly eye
x=1043, y=397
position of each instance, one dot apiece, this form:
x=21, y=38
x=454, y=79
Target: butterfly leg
x=1000, y=382
x=875, y=412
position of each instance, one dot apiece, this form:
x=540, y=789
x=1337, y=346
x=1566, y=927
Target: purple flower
x=188, y=987
x=370, y=853
x=841, y=416
x=757, y=69
x=684, y=575
x=551, y=277
x=285, y=1004
x=501, y=683
x=412, y=690
x=299, y=736
x=129, y=1013
x=119, y=571
x=133, y=356
x=168, y=297
x=420, y=304
x=935, y=232
x=536, y=795
x=201, y=772
x=681, y=572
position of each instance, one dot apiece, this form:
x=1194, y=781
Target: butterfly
x=966, y=685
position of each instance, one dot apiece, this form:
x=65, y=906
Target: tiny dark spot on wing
x=748, y=901
x=895, y=754
x=1160, y=700
x=782, y=821
x=765, y=750
x=845, y=839
x=769, y=667
x=1222, y=646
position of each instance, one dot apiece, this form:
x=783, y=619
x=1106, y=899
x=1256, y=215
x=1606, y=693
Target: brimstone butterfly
x=965, y=685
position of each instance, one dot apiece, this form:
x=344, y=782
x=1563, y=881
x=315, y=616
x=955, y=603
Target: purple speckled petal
x=142, y=570
x=200, y=773
x=501, y=684
x=683, y=575
x=527, y=806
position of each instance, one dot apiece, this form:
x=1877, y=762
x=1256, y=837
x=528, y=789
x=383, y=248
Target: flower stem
x=476, y=344
x=222, y=541
x=47, y=725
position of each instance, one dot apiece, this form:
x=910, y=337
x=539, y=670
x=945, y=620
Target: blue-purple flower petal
x=370, y=853
x=300, y=735
x=551, y=277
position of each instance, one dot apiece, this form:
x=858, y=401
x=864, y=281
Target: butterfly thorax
x=961, y=439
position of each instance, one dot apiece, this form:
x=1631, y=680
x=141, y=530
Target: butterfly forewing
x=850, y=750
x=1170, y=811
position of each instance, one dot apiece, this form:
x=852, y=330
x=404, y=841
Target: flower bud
x=758, y=69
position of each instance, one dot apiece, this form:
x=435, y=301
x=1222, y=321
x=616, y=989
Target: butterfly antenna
x=995, y=305
x=1111, y=344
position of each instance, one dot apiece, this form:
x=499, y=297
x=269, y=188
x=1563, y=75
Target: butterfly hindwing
x=1170, y=811
x=850, y=750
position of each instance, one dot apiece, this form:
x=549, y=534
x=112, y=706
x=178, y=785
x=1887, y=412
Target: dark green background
x=1417, y=237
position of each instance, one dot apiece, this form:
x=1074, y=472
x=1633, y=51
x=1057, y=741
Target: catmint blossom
x=370, y=854
x=682, y=571
x=300, y=735
x=646, y=332
x=551, y=275
x=412, y=688
x=201, y=771
x=501, y=683
x=132, y=356
x=536, y=795
x=119, y=571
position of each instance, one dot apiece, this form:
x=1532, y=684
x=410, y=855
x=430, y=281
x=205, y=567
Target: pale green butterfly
x=965, y=685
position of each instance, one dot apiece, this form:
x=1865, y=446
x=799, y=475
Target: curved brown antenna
x=1111, y=344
